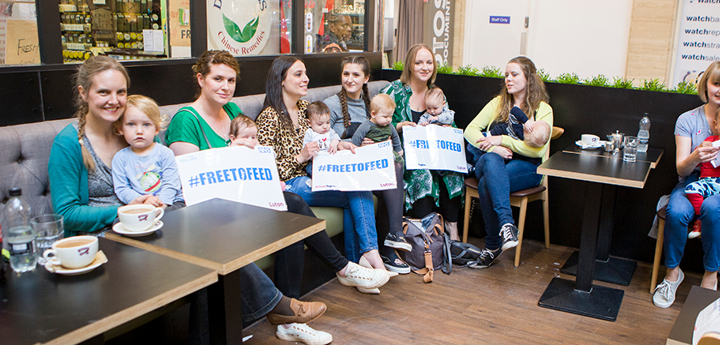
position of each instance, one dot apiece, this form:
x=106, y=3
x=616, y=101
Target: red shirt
x=706, y=169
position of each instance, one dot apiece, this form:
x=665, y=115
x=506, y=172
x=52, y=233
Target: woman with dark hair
x=348, y=109
x=425, y=190
x=205, y=124
x=282, y=126
x=510, y=164
x=691, y=130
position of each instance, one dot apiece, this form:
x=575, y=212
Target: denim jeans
x=498, y=178
x=290, y=261
x=679, y=214
x=358, y=214
x=259, y=295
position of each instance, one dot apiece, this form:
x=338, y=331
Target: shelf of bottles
x=114, y=27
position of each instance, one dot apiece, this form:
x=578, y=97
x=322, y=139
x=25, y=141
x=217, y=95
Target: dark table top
x=595, y=168
x=41, y=307
x=225, y=235
x=697, y=300
x=652, y=155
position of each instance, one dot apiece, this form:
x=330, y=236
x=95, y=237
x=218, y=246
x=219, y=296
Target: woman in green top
x=424, y=189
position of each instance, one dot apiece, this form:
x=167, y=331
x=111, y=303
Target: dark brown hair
x=240, y=122
x=213, y=57
x=317, y=108
x=534, y=94
x=273, y=88
x=342, y=95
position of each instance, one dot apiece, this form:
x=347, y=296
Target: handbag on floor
x=464, y=254
x=426, y=237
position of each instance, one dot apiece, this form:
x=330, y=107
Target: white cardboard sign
x=370, y=168
x=434, y=147
x=233, y=173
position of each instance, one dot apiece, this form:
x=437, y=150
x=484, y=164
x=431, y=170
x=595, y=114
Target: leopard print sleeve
x=284, y=143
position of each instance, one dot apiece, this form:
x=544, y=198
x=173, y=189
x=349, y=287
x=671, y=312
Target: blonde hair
x=410, y=62
x=712, y=73
x=535, y=92
x=239, y=123
x=435, y=92
x=317, y=110
x=83, y=78
x=539, y=135
x=382, y=102
x=147, y=106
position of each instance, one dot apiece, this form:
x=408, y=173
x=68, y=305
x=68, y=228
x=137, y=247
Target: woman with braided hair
x=82, y=153
x=348, y=109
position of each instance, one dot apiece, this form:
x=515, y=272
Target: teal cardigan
x=69, y=187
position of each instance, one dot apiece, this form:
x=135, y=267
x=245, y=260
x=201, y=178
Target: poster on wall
x=698, y=41
x=241, y=27
x=439, y=34
x=179, y=23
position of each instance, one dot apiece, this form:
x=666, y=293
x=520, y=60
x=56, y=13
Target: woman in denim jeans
x=509, y=164
x=691, y=129
x=282, y=126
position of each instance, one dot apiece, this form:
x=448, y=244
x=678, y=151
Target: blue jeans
x=498, y=178
x=259, y=294
x=679, y=214
x=358, y=214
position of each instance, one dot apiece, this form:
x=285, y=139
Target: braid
x=87, y=157
x=342, y=95
x=366, y=98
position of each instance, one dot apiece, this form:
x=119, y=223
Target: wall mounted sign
x=499, y=20
x=438, y=34
x=698, y=41
x=241, y=27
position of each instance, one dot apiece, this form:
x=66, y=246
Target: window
x=333, y=26
x=19, y=43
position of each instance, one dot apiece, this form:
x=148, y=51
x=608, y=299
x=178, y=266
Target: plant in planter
x=686, y=88
x=653, y=85
x=491, y=72
x=568, y=78
x=468, y=70
x=398, y=66
x=445, y=69
x=545, y=76
x=598, y=80
x=622, y=83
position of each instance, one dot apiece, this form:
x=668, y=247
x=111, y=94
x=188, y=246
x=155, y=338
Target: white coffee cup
x=73, y=252
x=139, y=217
x=590, y=140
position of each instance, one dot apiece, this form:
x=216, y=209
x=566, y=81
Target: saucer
x=100, y=259
x=583, y=146
x=122, y=231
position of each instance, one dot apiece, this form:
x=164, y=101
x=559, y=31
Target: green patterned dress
x=422, y=182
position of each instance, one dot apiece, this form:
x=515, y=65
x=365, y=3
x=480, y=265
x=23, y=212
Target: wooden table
x=652, y=155
x=604, y=173
x=225, y=236
x=697, y=300
x=42, y=307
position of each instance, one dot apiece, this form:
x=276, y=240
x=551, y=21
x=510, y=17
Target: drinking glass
x=49, y=229
x=630, y=150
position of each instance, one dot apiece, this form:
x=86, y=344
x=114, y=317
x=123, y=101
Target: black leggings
x=388, y=218
x=289, y=262
x=449, y=208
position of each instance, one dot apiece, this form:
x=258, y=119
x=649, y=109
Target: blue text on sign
x=230, y=175
x=353, y=167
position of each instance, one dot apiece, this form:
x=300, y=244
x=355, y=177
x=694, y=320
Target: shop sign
x=241, y=27
x=698, y=40
x=439, y=19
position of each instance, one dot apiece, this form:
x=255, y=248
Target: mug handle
x=159, y=215
x=53, y=260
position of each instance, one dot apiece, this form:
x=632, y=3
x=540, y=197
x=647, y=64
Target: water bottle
x=644, y=134
x=19, y=235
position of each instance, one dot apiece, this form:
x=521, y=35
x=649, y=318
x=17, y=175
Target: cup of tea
x=590, y=140
x=139, y=217
x=73, y=252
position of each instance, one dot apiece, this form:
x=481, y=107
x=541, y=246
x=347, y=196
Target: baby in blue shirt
x=145, y=167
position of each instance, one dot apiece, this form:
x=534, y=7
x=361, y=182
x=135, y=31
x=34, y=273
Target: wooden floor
x=496, y=305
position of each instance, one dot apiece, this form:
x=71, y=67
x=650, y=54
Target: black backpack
x=464, y=254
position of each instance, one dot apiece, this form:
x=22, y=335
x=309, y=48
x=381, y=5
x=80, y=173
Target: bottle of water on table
x=18, y=234
x=644, y=134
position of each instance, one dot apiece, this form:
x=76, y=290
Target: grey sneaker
x=509, y=235
x=664, y=294
x=487, y=257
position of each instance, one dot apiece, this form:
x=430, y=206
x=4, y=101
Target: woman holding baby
x=425, y=190
x=506, y=163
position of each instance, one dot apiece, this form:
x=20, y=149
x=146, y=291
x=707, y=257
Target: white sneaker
x=664, y=294
x=356, y=275
x=303, y=333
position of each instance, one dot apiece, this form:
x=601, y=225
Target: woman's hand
x=403, y=124
x=250, y=143
x=367, y=141
x=140, y=200
x=346, y=145
x=485, y=143
x=706, y=152
x=308, y=152
x=503, y=151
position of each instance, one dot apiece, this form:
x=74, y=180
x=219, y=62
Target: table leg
x=607, y=269
x=225, y=310
x=581, y=297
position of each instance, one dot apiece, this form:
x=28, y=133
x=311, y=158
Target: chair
x=518, y=199
x=658, y=248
